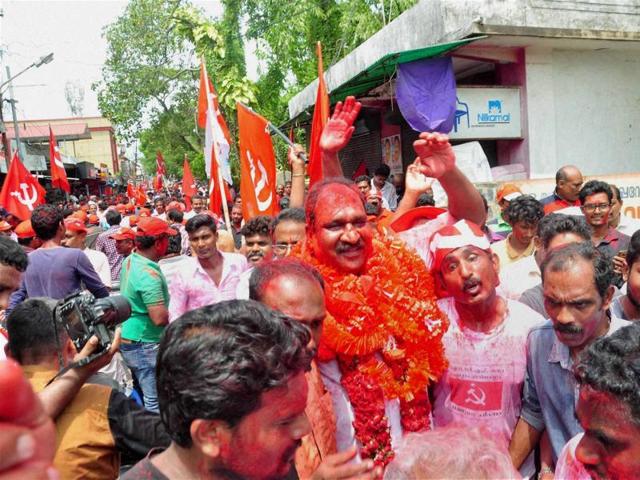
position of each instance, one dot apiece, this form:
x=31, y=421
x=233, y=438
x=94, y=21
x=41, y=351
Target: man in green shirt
x=144, y=285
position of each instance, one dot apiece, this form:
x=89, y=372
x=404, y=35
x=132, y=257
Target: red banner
x=21, y=192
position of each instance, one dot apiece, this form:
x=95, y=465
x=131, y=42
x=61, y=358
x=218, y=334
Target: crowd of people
x=360, y=333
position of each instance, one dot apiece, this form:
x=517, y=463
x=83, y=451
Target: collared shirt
x=613, y=242
x=192, y=287
x=553, y=202
x=550, y=389
x=100, y=264
x=483, y=385
x=519, y=276
x=107, y=246
x=508, y=254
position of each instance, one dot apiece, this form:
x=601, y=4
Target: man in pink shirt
x=209, y=278
x=486, y=340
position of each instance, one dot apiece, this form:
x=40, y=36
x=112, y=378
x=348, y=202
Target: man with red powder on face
x=381, y=344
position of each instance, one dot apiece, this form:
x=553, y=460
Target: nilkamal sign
x=487, y=113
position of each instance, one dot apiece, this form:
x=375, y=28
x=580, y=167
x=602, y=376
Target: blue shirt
x=550, y=389
x=56, y=273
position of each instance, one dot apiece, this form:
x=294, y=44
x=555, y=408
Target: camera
x=83, y=316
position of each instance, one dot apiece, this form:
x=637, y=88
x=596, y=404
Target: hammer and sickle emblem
x=24, y=198
x=56, y=157
x=260, y=186
x=476, y=395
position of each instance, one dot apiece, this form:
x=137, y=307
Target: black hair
x=284, y=203
x=524, y=208
x=633, y=250
x=215, y=363
x=260, y=225
x=592, y=187
x=264, y=273
x=311, y=201
x=102, y=205
x=611, y=365
x=383, y=170
x=67, y=212
x=362, y=178
x=12, y=254
x=113, y=217
x=559, y=260
x=175, y=243
x=425, y=199
x=145, y=242
x=289, y=215
x=31, y=329
x=45, y=220
x=197, y=196
x=201, y=220
x=175, y=215
x=556, y=223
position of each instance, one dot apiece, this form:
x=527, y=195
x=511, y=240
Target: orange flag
x=58, y=173
x=188, y=183
x=21, y=191
x=320, y=118
x=130, y=191
x=141, y=196
x=257, y=165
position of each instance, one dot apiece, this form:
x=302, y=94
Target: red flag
x=21, y=192
x=217, y=138
x=320, y=118
x=257, y=165
x=157, y=182
x=160, y=166
x=131, y=193
x=141, y=196
x=58, y=174
x=361, y=170
x=188, y=183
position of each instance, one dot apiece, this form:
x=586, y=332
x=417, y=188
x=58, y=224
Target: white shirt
x=519, y=276
x=389, y=194
x=483, y=385
x=100, y=265
x=242, y=290
x=628, y=225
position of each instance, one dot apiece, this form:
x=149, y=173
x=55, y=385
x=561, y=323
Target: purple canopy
x=426, y=94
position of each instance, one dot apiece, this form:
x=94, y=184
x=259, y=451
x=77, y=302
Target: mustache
x=571, y=329
x=470, y=282
x=348, y=247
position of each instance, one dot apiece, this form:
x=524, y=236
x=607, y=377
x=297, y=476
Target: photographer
x=99, y=424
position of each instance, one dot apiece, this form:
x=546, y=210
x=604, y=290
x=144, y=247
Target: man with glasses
x=596, y=199
x=288, y=229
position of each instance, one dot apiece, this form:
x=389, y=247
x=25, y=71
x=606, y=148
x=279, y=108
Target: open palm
x=435, y=155
x=338, y=130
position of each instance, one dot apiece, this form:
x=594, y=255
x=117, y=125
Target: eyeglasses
x=592, y=207
x=284, y=248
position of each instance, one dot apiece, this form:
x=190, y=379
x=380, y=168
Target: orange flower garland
x=385, y=330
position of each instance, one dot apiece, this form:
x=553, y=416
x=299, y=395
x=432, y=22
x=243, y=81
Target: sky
x=72, y=31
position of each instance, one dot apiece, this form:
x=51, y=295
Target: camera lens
x=117, y=307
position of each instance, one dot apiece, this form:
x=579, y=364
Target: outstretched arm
x=415, y=184
x=336, y=134
x=438, y=160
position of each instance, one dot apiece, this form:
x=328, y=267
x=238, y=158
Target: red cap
x=81, y=214
x=144, y=212
x=452, y=237
x=410, y=217
x=5, y=226
x=93, y=219
x=508, y=191
x=125, y=233
x=25, y=230
x=175, y=206
x=75, y=225
x=153, y=226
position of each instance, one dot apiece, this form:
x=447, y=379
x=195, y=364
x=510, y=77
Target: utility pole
x=19, y=146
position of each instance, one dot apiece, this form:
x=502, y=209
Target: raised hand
x=338, y=130
x=339, y=467
x=293, y=156
x=435, y=155
x=415, y=180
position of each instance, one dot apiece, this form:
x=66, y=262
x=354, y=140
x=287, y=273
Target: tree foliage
x=150, y=78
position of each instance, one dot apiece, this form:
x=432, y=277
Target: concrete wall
x=583, y=108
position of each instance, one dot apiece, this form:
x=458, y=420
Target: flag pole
x=223, y=198
x=279, y=133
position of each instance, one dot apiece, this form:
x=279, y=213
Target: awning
x=40, y=133
x=385, y=68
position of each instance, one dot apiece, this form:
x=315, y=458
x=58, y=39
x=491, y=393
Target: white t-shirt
x=519, y=276
x=483, y=385
x=100, y=265
x=242, y=290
